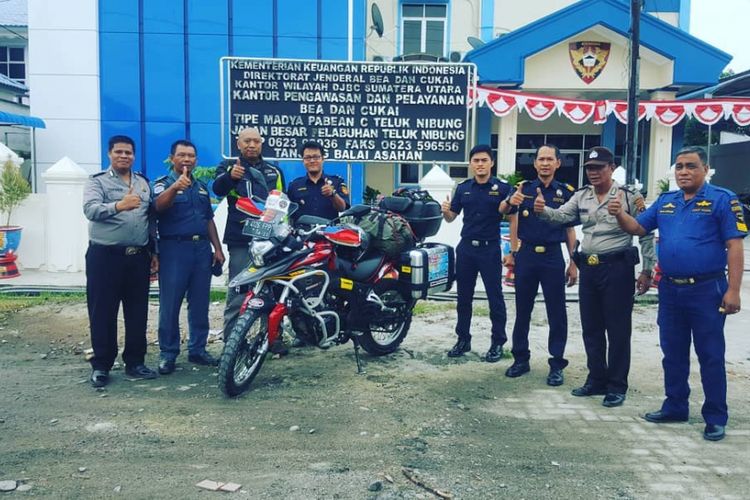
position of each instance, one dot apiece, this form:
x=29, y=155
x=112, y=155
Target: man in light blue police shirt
x=701, y=228
x=186, y=234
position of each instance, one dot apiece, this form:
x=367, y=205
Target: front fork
x=276, y=314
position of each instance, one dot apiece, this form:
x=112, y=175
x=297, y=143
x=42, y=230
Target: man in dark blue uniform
x=539, y=260
x=701, y=228
x=242, y=177
x=186, y=234
x=478, y=252
x=318, y=193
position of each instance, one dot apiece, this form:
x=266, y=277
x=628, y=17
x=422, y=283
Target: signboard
x=358, y=111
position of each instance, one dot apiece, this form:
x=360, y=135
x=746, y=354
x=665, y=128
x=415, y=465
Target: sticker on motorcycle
x=255, y=303
x=347, y=284
x=406, y=269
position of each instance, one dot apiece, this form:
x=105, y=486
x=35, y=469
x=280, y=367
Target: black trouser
x=113, y=277
x=485, y=260
x=548, y=269
x=606, y=301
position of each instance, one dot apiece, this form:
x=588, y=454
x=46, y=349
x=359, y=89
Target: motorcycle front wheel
x=244, y=353
x=386, y=330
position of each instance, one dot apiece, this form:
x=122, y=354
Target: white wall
x=64, y=77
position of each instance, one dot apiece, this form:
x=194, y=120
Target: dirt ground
x=312, y=428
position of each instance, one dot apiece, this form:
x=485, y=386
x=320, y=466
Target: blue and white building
x=149, y=69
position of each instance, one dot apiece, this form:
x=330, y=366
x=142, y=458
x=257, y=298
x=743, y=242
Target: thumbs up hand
x=539, y=202
x=183, y=182
x=614, y=205
x=445, y=206
x=128, y=202
x=517, y=198
x=238, y=171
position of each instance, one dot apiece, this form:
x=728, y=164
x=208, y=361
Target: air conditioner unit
x=456, y=56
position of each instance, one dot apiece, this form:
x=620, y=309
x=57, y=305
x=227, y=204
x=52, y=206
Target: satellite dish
x=377, y=20
x=474, y=41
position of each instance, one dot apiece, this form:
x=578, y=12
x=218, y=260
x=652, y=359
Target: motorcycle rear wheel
x=380, y=339
x=244, y=353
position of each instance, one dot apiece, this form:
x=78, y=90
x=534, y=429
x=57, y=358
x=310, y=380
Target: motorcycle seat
x=360, y=270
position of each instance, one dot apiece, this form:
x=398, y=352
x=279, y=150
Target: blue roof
x=502, y=60
x=26, y=121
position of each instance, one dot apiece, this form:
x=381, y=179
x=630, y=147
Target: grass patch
x=14, y=303
x=426, y=307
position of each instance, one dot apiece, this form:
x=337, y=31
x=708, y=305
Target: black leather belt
x=482, y=243
x=540, y=248
x=120, y=249
x=594, y=259
x=192, y=237
x=692, y=280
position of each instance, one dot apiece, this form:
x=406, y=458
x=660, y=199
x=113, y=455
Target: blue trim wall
x=159, y=66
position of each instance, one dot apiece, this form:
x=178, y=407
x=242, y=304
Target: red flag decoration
x=708, y=114
x=741, y=114
x=668, y=113
x=500, y=104
x=620, y=109
x=577, y=111
x=539, y=109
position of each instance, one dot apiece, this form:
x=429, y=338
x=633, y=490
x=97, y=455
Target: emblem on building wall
x=588, y=59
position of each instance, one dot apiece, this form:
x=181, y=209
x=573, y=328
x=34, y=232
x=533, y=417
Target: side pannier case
x=428, y=269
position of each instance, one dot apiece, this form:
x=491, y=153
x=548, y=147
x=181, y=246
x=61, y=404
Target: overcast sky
x=725, y=24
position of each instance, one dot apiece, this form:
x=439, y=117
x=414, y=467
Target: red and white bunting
x=501, y=105
x=577, y=111
x=741, y=114
x=668, y=113
x=707, y=114
x=539, y=109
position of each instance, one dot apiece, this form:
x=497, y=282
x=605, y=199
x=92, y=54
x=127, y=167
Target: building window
x=424, y=29
x=12, y=63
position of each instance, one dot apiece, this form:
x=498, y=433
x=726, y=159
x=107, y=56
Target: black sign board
x=358, y=111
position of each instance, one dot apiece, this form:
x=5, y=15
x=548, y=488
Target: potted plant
x=14, y=188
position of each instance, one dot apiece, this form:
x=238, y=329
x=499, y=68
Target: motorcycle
x=318, y=281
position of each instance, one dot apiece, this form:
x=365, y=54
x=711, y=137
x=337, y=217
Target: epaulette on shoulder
x=99, y=174
x=162, y=178
x=724, y=190
x=569, y=187
x=141, y=175
x=583, y=188
x=465, y=181
x=630, y=189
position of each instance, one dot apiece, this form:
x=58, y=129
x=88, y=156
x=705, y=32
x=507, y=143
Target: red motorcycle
x=323, y=284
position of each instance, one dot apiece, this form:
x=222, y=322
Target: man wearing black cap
x=607, y=263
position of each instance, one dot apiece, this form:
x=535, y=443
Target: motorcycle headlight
x=258, y=249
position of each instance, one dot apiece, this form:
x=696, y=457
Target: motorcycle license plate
x=258, y=229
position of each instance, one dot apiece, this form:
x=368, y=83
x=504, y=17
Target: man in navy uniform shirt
x=701, y=228
x=186, y=234
x=478, y=252
x=539, y=260
x=318, y=193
